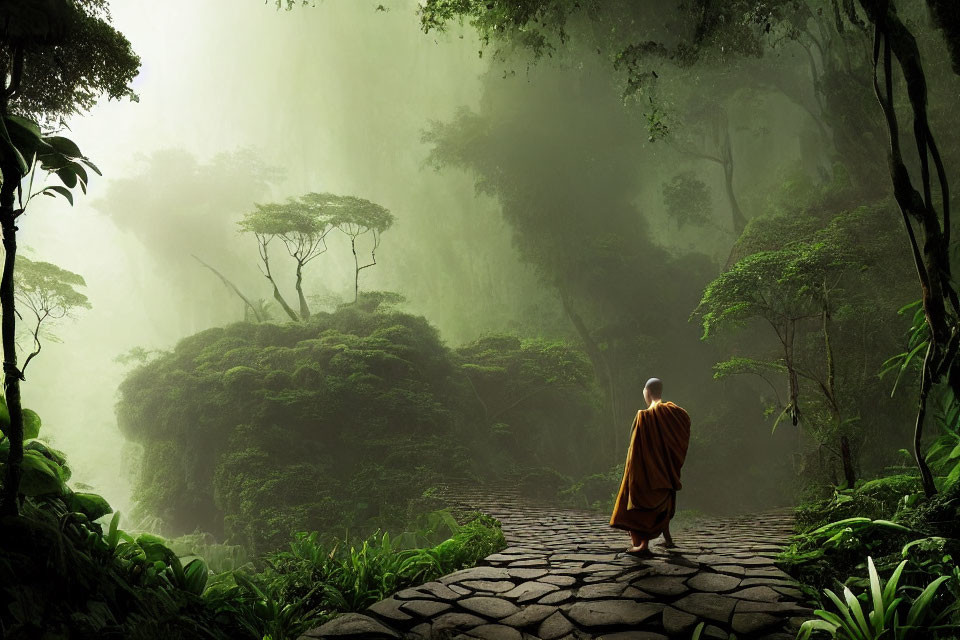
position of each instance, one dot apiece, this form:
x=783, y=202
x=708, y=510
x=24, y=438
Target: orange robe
x=651, y=477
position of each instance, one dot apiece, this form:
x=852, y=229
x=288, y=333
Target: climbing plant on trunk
x=927, y=225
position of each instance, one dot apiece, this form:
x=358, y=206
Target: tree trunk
x=356, y=269
x=893, y=38
x=265, y=257
x=246, y=302
x=304, y=309
x=739, y=221
x=9, y=504
x=601, y=368
x=849, y=473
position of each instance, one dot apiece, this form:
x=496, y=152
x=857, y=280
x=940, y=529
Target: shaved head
x=654, y=388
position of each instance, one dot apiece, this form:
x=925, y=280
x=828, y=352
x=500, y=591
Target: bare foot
x=642, y=551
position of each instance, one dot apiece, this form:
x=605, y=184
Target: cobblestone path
x=564, y=576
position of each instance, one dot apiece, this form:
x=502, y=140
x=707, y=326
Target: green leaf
x=89, y=504
x=698, y=631
x=24, y=125
x=876, y=593
x=113, y=532
x=891, y=587
x=31, y=424
x=195, y=576
x=154, y=548
x=840, y=523
x=54, y=190
x=49, y=452
x=68, y=176
x=65, y=146
x=919, y=609
x=892, y=525
x=90, y=164
x=41, y=476
x=4, y=415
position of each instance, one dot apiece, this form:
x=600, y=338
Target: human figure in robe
x=647, y=499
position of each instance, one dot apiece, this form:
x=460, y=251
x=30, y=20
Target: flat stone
x=634, y=635
x=389, y=608
x=489, y=607
x=789, y=592
x=459, y=589
x=635, y=594
x=600, y=576
x=560, y=581
x=495, y=632
x=608, y=612
x=352, y=624
x=759, y=593
x=425, y=608
x=530, y=591
x=420, y=632
x=456, y=620
x=602, y=590
x=730, y=569
x=529, y=615
x=713, y=582
x=603, y=567
x=509, y=557
x=714, y=632
x=439, y=590
x=748, y=606
x=526, y=574
x=666, y=569
x=662, y=585
x=540, y=562
x=676, y=622
x=554, y=626
x=494, y=586
x=752, y=622
x=771, y=582
x=556, y=597
x=707, y=605
x=476, y=573
x=582, y=557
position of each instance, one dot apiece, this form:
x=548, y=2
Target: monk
x=647, y=499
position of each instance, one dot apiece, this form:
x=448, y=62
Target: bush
x=597, y=491
x=254, y=431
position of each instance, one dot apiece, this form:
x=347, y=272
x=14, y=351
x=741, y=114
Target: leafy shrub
x=597, y=491
x=256, y=430
x=884, y=604
x=316, y=578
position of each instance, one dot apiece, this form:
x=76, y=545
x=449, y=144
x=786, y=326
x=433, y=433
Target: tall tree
x=59, y=57
x=302, y=225
x=356, y=218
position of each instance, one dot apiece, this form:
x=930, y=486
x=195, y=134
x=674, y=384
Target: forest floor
x=564, y=576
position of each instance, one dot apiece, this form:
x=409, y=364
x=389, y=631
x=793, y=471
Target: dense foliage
x=253, y=431
x=66, y=575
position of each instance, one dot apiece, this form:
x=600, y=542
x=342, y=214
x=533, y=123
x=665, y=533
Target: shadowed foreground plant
x=883, y=620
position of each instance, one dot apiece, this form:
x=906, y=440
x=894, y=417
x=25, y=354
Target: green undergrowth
x=68, y=571
x=887, y=522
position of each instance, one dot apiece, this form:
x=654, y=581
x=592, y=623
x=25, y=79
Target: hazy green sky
x=336, y=95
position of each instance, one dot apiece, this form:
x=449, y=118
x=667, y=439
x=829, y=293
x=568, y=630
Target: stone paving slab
x=564, y=576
